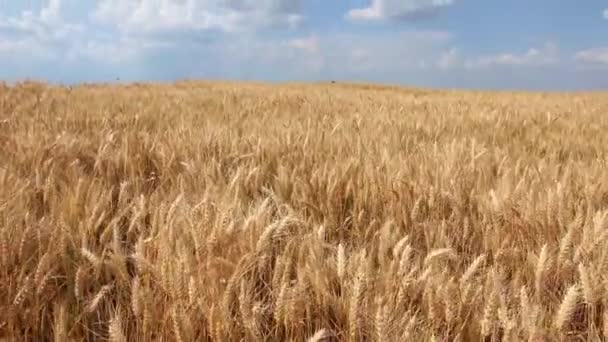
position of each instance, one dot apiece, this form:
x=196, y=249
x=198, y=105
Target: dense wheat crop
x=227, y=212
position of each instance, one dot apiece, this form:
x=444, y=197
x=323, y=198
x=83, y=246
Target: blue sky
x=540, y=44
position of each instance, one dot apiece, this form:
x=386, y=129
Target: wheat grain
x=320, y=336
x=91, y=257
x=355, y=310
x=24, y=292
x=541, y=268
x=438, y=254
x=4, y=256
x=527, y=320
x=490, y=321
x=587, y=285
x=177, y=329
x=43, y=283
x=137, y=298
x=567, y=307
x=60, y=320
x=115, y=328
x=472, y=269
x=341, y=261
x=103, y=292
x=382, y=323
x=79, y=282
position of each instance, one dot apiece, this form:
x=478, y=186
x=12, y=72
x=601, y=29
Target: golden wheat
x=323, y=212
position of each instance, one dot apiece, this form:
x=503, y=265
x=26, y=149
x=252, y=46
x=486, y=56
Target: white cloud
x=546, y=55
x=130, y=29
x=27, y=46
x=170, y=39
x=45, y=25
x=605, y=13
x=395, y=9
x=308, y=44
x=449, y=59
x=306, y=52
x=148, y=16
x=117, y=51
x=596, y=56
x=51, y=12
x=373, y=52
x=332, y=55
x=41, y=34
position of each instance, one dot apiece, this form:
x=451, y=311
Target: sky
x=480, y=44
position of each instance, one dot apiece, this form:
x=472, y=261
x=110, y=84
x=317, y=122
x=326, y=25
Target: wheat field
x=217, y=211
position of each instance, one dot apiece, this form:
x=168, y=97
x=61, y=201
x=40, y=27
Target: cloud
x=41, y=35
x=123, y=50
x=449, y=59
x=397, y=9
x=605, y=13
x=69, y=40
x=25, y=47
x=307, y=44
x=594, y=56
x=389, y=52
x=152, y=16
x=546, y=55
x=333, y=55
x=121, y=31
x=47, y=25
x=307, y=51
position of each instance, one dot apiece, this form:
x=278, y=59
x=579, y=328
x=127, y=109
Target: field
x=301, y=212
